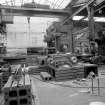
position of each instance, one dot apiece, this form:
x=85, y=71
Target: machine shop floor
x=63, y=93
x=70, y=92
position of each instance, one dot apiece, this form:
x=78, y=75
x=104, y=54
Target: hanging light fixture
x=100, y=11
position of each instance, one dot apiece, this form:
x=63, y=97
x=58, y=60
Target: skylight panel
x=77, y=17
x=64, y=4
x=55, y=4
x=100, y=19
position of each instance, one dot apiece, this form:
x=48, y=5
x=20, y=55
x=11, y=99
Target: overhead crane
x=33, y=12
x=22, y=11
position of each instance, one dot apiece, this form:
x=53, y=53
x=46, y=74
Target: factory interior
x=52, y=52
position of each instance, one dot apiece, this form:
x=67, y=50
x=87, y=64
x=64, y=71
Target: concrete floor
x=63, y=93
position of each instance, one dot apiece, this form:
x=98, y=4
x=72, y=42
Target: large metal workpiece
x=65, y=72
x=62, y=67
x=18, y=92
x=65, y=66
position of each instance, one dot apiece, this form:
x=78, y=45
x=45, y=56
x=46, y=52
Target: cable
x=12, y=3
x=21, y=2
x=6, y=2
x=29, y=28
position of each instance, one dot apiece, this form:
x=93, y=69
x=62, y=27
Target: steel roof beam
x=79, y=10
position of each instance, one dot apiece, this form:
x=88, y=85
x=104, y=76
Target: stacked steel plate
x=1, y=80
x=6, y=74
x=45, y=76
x=18, y=92
x=37, y=69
